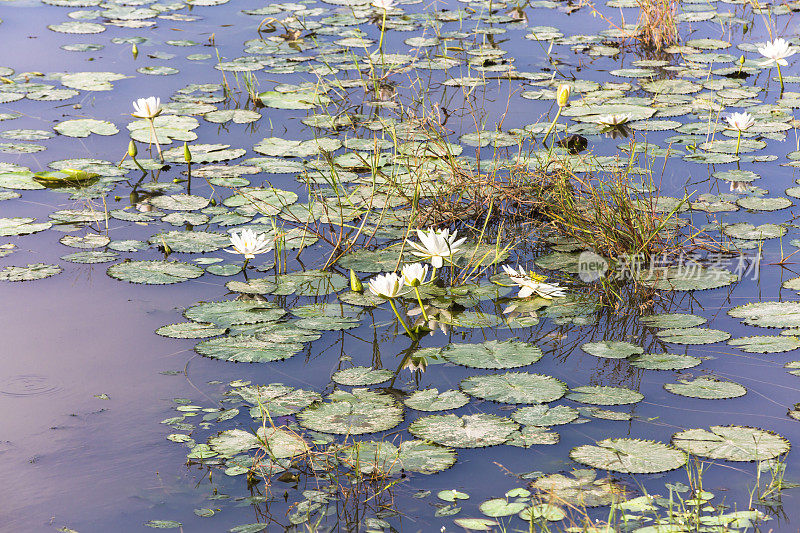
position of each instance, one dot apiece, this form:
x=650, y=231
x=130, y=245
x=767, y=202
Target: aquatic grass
x=657, y=25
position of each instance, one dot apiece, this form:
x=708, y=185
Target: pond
x=594, y=321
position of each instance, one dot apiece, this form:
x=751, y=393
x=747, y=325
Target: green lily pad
x=580, y=489
x=21, y=226
x=707, y=388
x=493, y=354
x=179, y=202
x=629, y=456
x=611, y=349
x=732, y=443
x=247, y=349
x=768, y=314
x=154, y=272
x=91, y=257
x=600, y=395
x=693, y=335
x=30, y=272
x=433, y=400
x=190, y=330
x=277, y=443
x=352, y=413
x=275, y=399
x=361, y=375
x=227, y=313
x=672, y=320
x=766, y=343
x=515, y=387
x=469, y=431
x=191, y=241
x=544, y=416
x=664, y=361
x=387, y=459
x=84, y=127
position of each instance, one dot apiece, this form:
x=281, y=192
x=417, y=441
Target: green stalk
x=421, y=305
x=383, y=30
x=780, y=76
x=738, y=140
x=553, y=125
x=397, y=314
x=155, y=139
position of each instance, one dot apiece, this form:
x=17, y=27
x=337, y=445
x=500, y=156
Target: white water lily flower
x=776, y=52
x=386, y=285
x=416, y=364
x=147, y=108
x=248, y=243
x=738, y=186
x=437, y=318
x=436, y=246
x=414, y=275
x=382, y=4
x=530, y=283
x=614, y=120
x=740, y=121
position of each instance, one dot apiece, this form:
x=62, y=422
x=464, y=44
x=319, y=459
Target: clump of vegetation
x=658, y=28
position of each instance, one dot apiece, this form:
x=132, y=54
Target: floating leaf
x=469, y=431
x=84, y=127
x=707, y=388
x=664, y=361
x=497, y=507
x=515, y=387
x=432, y=400
x=533, y=436
x=386, y=459
x=599, y=395
x=352, y=413
x=581, y=489
x=190, y=330
x=544, y=416
x=191, y=241
x=30, y=272
x=277, y=443
x=611, y=349
x=672, y=320
x=732, y=443
x=629, y=456
x=768, y=314
x=154, y=272
x=361, y=375
x=766, y=343
x=493, y=354
x=275, y=399
x=226, y=313
x=247, y=349
x=693, y=335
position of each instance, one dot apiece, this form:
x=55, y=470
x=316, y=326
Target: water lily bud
x=355, y=283
x=741, y=60
x=135, y=51
x=562, y=95
x=132, y=151
x=187, y=155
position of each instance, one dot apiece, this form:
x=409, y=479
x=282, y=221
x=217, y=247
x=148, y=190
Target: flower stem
x=397, y=314
x=383, y=30
x=738, y=140
x=155, y=139
x=421, y=305
x=553, y=125
x=780, y=76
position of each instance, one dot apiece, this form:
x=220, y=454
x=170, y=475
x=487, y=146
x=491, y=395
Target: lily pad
x=768, y=314
x=630, y=456
x=693, y=335
x=766, y=343
x=664, y=361
x=352, y=413
x=600, y=395
x=544, y=416
x=611, y=349
x=469, y=431
x=361, y=375
x=706, y=388
x=515, y=387
x=493, y=354
x=433, y=400
x=732, y=443
x=30, y=272
x=154, y=272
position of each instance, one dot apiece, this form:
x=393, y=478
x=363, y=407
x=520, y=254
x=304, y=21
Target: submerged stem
x=155, y=139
